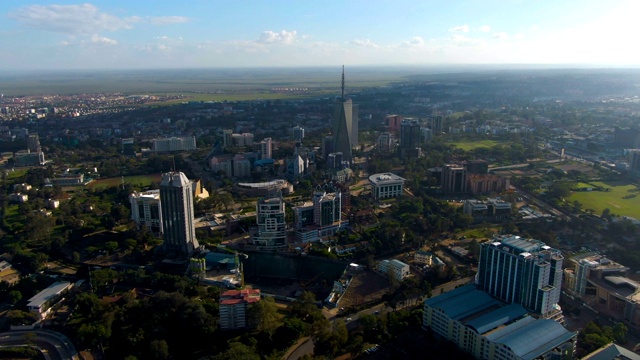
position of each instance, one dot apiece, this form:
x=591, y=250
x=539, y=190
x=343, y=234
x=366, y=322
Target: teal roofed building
x=488, y=328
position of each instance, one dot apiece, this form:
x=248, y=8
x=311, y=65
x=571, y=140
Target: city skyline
x=63, y=35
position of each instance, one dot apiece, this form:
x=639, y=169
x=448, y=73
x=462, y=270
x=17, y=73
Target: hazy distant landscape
x=275, y=83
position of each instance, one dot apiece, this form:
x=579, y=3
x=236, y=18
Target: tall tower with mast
x=343, y=125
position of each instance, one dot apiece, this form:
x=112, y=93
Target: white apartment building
x=394, y=267
x=386, y=185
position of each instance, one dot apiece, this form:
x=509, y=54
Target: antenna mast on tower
x=342, y=82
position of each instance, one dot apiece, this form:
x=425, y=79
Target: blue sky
x=142, y=34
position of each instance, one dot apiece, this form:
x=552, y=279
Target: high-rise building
x=522, y=271
x=128, y=146
x=33, y=143
x=436, y=123
x=322, y=217
x=326, y=207
x=410, y=138
x=427, y=134
x=634, y=160
x=177, y=214
x=271, y=222
x=384, y=143
x=393, y=122
x=454, y=179
x=240, y=140
x=265, y=149
x=227, y=137
x=174, y=144
x=355, y=123
x=145, y=209
x=298, y=133
x=241, y=166
x=327, y=146
x=334, y=161
x=343, y=125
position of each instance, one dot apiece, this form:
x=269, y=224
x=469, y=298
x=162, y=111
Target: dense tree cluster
x=594, y=336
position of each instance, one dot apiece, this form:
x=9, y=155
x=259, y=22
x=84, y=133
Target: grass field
x=471, y=145
x=16, y=173
x=623, y=199
x=138, y=180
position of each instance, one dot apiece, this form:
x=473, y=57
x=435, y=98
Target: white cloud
x=484, y=28
x=69, y=19
x=500, y=35
x=82, y=19
x=364, y=43
x=415, y=42
x=166, y=38
x=168, y=20
x=246, y=46
x=461, y=28
x=282, y=37
x=97, y=39
x=462, y=40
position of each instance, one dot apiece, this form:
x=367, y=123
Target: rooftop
x=612, y=352
x=463, y=302
x=43, y=296
x=529, y=338
x=385, y=177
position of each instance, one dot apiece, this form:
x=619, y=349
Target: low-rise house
x=43, y=302
x=395, y=268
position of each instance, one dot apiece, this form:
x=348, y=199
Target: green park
x=621, y=198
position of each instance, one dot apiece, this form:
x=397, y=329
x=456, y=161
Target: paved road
x=52, y=344
x=304, y=348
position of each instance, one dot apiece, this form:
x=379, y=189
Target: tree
x=15, y=296
x=620, y=332
x=238, y=351
x=264, y=314
x=110, y=246
x=159, y=349
x=103, y=277
x=577, y=206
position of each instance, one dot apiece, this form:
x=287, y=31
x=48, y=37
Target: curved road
x=52, y=344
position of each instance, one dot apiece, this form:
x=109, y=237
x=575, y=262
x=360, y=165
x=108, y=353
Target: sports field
x=623, y=199
x=474, y=144
x=138, y=180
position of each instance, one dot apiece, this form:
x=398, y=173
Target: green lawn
x=474, y=144
x=138, y=180
x=621, y=200
x=15, y=173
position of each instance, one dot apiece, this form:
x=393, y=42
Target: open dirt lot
x=365, y=286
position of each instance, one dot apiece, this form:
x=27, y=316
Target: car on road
x=349, y=319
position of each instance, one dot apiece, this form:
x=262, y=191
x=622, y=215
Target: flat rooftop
x=46, y=294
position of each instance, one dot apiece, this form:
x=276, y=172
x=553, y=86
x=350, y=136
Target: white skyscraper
x=145, y=209
x=521, y=271
x=265, y=149
x=177, y=214
x=271, y=222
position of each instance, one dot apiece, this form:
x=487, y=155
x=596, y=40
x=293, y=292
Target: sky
x=158, y=34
